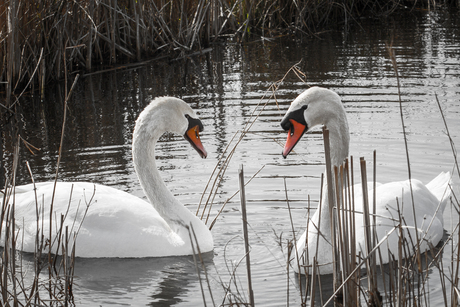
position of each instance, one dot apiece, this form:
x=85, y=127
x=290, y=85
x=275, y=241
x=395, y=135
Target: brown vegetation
x=40, y=39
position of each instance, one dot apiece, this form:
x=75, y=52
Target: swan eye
x=304, y=107
x=194, y=122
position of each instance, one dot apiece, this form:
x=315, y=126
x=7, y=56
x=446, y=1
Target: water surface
x=227, y=86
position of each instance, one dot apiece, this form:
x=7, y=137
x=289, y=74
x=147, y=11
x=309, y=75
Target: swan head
x=192, y=134
x=169, y=114
x=316, y=106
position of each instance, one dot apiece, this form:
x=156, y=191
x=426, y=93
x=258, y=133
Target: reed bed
x=358, y=279
x=40, y=39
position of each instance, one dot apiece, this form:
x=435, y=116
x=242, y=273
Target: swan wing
x=107, y=221
x=394, y=206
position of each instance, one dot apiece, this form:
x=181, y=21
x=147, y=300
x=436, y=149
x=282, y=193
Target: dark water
x=227, y=86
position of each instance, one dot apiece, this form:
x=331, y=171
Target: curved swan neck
x=339, y=141
x=324, y=210
x=149, y=176
x=339, y=138
x=164, y=114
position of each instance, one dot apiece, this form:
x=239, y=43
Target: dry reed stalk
x=289, y=250
x=12, y=54
x=332, y=204
x=395, y=68
x=224, y=161
x=197, y=254
x=455, y=252
x=18, y=292
x=219, y=176
x=455, y=285
x=294, y=239
x=314, y=277
x=51, y=212
x=245, y=234
x=319, y=222
x=229, y=294
x=451, y=142
x=370, y=239
x=341, y=236
x=348, y=257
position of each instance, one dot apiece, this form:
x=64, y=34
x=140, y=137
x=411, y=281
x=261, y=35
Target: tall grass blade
x=245, y=234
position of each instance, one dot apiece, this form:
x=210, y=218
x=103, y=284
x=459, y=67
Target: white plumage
x=319, y=106
x=113, y=223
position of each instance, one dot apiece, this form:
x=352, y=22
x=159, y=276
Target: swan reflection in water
x=157, y=281
x=163, y=281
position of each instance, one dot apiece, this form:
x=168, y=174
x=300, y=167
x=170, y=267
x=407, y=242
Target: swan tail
x=440, y=187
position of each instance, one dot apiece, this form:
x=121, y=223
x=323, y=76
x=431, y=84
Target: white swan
x=319, y=106
x=118, y=224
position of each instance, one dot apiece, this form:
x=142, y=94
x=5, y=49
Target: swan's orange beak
x=193, y=136
x=296, y=130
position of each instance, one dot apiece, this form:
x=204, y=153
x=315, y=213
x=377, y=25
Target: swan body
x=319, y=106
x=113, y=223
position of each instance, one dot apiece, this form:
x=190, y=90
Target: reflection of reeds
x=89, y=33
